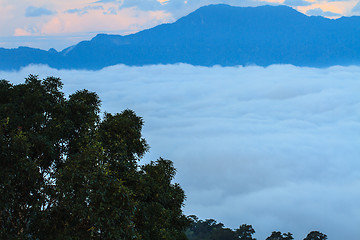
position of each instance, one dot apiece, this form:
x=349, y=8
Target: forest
x=69, y=173
x=212, y=230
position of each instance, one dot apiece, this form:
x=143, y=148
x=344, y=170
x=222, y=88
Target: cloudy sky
x=59, y=24
x=275, y=147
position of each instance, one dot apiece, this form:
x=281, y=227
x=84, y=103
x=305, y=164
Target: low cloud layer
x=275, y=147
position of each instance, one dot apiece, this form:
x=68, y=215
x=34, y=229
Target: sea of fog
x=275, y=147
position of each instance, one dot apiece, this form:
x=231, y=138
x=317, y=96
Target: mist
x=275, y=147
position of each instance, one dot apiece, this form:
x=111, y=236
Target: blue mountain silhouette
x=213, y=35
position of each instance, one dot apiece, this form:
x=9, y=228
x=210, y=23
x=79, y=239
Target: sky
x=275, y=147
x=59, y=24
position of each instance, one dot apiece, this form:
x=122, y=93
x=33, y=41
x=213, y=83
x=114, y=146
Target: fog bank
x=275, y=147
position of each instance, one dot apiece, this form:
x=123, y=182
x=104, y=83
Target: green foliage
x=66, y=174
x=245, y=232
x=211, y=230
x=160, y=202
x=280, y=236
x=315, y=235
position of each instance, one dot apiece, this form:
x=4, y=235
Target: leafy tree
x=67, y=174
x=315, y=235
x=280, y=236
x=223, y=234
x=208, y=230
x=275, y=235
x=245, y=232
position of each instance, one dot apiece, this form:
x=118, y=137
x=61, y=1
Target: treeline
x=209, y=229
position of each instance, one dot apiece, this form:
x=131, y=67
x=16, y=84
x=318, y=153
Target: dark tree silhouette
x=315, y=235
x=275, y=235
x=245, y=232
x=280, y=236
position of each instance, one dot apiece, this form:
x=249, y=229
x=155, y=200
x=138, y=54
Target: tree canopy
x=67, y=173
x=245, y=232
x=276, y=235
x=209, y=229
x=315, y=235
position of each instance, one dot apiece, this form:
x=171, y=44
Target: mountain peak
x=52, y=50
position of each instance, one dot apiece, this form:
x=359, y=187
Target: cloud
x=320, y=12
x=108, y=1
x=111, y=10
x=146, y=5
x=22, y=32
x=32, y=11
x=84, y=10
x=356, y=8
x=275, y=147
x=180, y=8
x=125, y=20
x=297, y=3
x=26, y=31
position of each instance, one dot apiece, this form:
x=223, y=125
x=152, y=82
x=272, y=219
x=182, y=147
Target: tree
x=275, y=235
x=315, y=235
x=223, y=234
x=245, y=232
x=208, y=230
x=280, y=236
x=67, y=174
x=288, y=236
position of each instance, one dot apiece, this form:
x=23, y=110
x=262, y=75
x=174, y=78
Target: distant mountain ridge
x=213, y=35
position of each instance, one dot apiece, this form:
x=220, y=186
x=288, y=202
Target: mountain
x=213, y=35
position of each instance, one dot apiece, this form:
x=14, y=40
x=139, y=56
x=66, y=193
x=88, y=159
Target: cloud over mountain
x=320, y=12
x=297, y=3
